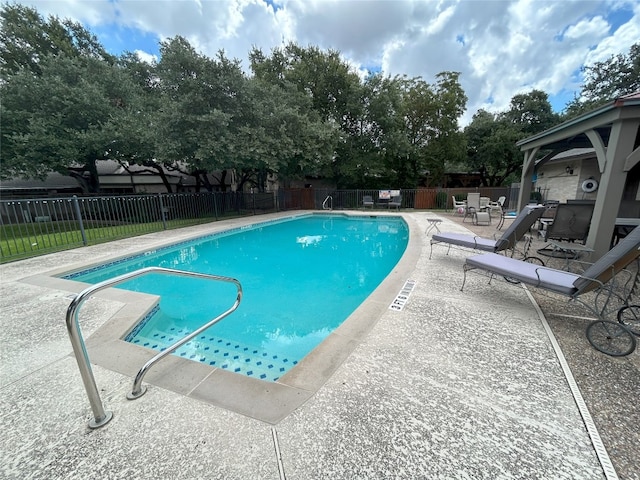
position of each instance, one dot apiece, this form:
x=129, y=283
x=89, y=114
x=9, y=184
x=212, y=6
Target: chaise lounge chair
x=367, y=201
x=518, y=228
x=616, y=340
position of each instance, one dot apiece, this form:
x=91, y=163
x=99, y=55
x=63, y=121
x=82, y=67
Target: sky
x=500, y=47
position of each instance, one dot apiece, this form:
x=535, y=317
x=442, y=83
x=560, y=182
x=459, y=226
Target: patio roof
x=613, y=131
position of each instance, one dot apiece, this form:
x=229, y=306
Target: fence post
x=215, y=204
x=253, y=201
x=76, y=207
x=162, y=212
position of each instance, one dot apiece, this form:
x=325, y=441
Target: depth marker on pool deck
x=403, y=296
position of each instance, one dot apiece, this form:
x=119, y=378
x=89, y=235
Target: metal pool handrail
x=102, y=417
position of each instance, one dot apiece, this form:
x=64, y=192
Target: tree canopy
x=303, y=111
x=62, y=96
x=491, y=138
x=607, y=80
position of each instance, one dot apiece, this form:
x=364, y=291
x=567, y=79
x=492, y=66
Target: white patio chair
x=459, y=207
x=498, y=206
x=473, y=206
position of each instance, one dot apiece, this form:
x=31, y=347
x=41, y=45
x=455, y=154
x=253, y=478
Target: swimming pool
x=302, y=277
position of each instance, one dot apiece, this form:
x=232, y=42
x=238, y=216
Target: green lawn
x=31, y=239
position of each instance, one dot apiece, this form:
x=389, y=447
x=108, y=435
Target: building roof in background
x=54, y=181
x=572, y=154
x=106, y=169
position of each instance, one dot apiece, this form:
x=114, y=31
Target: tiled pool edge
x=266, y=401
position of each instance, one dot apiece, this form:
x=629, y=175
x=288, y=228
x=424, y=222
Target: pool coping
x=270, y=402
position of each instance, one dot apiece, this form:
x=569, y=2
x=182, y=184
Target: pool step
x=222, y=353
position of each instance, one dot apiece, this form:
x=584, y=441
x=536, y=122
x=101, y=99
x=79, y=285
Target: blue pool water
x=301, y=278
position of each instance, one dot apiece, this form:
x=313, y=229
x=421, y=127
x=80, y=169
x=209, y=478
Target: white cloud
x=501, y=48
x=588, y=28
x=145, y=57
x=619, y=41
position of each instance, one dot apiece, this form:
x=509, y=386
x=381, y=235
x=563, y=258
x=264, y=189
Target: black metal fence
x=35, y=226
x=419, y=199
x=40, y=225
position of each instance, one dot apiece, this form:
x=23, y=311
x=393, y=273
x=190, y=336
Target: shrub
x=536, y=197
x=441, y=200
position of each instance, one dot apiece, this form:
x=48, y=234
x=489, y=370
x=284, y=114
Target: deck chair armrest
x=599, y=284
x=549, y=269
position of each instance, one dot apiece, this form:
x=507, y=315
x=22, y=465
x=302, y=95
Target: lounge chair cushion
x=509, y=238
x=529, y=273
x=464, y=240
x=520, y=226
x=611, y=262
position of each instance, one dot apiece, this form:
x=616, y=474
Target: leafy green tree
x=531, y=112
x=358, y=162
x=607, y=80
x=322, y=75
x=137, y=136
x=491, y=139
x=491, y=146
x=289, y=138
x=62, y=95
x=26, y=38
x=432, y=113
x=331, y=85
x=63, y=119
x=197, y=98
x=392, y=130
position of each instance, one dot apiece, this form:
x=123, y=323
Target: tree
x=281, y=134
x=491, y=139
x=331, y=85
x=26, y=38
x=607, y=80
x=198, y=98
x=531, y=112
x=61, y=96
x=358, y=161
x=324, y=76
x=137, y=137
x=64, y=119
x=432, y=113
x=392, y=130
x=491, y=145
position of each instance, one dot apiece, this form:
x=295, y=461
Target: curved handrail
x=329, y=200
x=102, y=417
x=137, y=390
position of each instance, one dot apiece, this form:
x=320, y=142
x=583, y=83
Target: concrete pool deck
x=454, y=385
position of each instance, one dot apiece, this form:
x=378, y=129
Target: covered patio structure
x=613, y=130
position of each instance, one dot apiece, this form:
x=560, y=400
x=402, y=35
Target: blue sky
x=118, y=38
x=500, y=47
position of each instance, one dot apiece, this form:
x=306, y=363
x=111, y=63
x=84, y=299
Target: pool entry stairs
x=100, y=416
x=220, y=352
